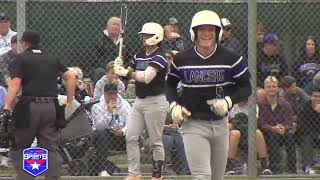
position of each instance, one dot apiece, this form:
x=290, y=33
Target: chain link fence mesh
x=73, y=30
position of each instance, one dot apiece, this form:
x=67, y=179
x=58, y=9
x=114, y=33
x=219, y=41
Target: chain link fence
x=287, y=35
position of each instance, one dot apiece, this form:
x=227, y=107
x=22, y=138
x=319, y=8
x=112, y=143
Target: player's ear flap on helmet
x=206, y=17
x=156, y=30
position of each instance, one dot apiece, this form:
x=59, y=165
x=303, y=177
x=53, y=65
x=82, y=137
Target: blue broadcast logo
x=35, y=160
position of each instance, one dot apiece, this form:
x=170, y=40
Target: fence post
x=252, y=124
x=21, y=21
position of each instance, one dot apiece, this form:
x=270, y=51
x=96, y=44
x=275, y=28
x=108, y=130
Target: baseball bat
x=120, y=47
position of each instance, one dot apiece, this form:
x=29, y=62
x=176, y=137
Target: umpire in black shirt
x=37, y=109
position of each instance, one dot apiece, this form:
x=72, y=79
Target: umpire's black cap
x=4, y=17
x=31, y=37
x=111, y=88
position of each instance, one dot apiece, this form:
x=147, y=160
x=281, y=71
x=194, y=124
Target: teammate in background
x=148, y=69
x=36, y=113
x=5, y=33
x=213, y=78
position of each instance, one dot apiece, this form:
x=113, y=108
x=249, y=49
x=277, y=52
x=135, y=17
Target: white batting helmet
x=206, y=17
x=155, y=29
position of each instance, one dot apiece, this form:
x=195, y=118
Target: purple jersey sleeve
x=158, y=62
x=239, y=68
x=174, y=71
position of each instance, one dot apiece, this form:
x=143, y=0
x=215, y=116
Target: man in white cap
x=228, y=40
x=5, y=33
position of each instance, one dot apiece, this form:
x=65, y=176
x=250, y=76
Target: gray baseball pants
x=149, y=113
x=206, y=145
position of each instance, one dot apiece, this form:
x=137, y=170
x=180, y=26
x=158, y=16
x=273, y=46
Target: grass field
x=188, y=178
x=185, y=178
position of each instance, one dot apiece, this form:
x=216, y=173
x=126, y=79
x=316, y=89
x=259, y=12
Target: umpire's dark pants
x=42, y=126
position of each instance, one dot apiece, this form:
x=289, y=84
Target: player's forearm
x=144, y=76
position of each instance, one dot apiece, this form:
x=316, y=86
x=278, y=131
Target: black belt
x=145, y=96
x=38, y=99
x=208, y=117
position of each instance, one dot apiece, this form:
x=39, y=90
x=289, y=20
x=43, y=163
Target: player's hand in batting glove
x=220, y=106
x=121, y=71
x=118, y=61
x=178, y=112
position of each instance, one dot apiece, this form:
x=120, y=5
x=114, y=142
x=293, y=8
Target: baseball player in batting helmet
x=148, y=69
x=213, y=78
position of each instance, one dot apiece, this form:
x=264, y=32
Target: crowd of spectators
x=288, y=106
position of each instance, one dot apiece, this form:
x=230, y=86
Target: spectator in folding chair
x=110, y=118
x=276, y=120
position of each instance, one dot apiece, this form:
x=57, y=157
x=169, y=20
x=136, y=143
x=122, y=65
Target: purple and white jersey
x=220, y=74
x=157, y=60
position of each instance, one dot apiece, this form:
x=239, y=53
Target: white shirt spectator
x=5, y=42
x=102, y=119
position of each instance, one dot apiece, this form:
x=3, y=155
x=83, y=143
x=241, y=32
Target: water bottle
x=245, y=168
